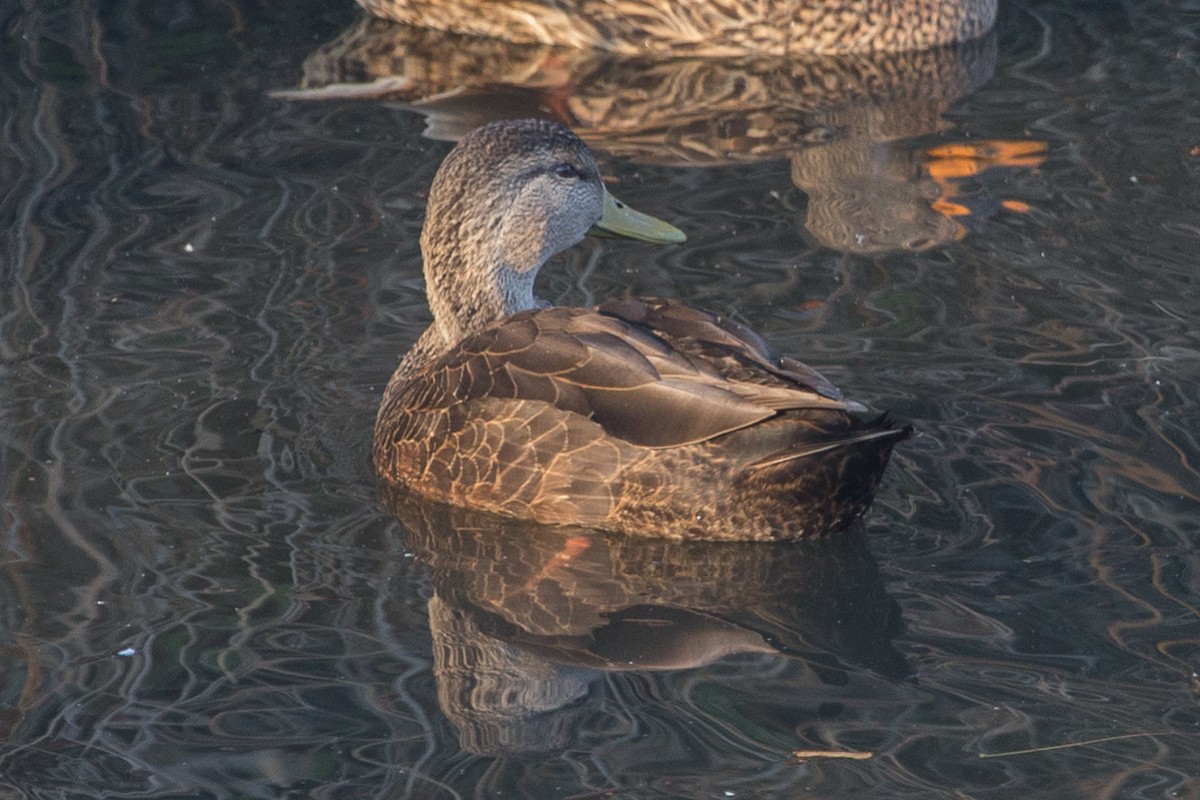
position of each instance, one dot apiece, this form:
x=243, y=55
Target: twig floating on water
x=857, y=755
x=1075, y=744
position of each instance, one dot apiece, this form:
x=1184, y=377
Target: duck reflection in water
x=843, y=122
x=526, y=619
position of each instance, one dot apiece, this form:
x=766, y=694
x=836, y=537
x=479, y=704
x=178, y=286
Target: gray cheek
x=589, y=204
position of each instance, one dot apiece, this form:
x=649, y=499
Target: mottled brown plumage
x=705, y=27
x=639, y=416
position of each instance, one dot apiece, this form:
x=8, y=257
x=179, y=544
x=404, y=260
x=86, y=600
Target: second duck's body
x=643, y=417
x=705, y=27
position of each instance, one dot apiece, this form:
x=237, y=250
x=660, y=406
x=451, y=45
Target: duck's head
x=508, y=197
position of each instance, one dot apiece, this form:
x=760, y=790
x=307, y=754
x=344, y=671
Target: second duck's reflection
x=842, y=122
x=525, y=619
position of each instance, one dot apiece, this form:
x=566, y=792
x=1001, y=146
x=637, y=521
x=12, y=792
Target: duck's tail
x=881, y=429
x=818, y=480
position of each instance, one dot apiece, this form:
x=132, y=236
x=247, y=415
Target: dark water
x=205, y=288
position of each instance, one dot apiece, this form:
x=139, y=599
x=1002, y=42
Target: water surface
x=205, y=288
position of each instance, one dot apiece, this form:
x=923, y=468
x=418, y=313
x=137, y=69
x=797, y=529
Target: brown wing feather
x=558, y=415
x=625, y=379
x=538, y=415
x=742, y=353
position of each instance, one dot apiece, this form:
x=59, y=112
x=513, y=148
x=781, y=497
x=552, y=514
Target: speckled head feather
x=508, y=197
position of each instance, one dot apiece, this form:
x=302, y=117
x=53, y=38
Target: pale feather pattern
x=709, y=28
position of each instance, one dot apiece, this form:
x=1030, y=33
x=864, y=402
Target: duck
x=638, y=416
x=705, y=27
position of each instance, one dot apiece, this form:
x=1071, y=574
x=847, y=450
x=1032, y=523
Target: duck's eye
x=565, y=170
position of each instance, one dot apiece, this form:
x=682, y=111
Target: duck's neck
x=478, y=269
x=464, y=303
x=470, y=285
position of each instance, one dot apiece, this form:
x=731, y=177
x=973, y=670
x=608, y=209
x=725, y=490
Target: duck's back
x=706, y=27
x=642, y=417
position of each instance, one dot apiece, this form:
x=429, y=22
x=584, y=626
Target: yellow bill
x=619, y=219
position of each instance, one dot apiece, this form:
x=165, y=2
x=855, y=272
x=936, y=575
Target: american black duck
x=638, y=416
